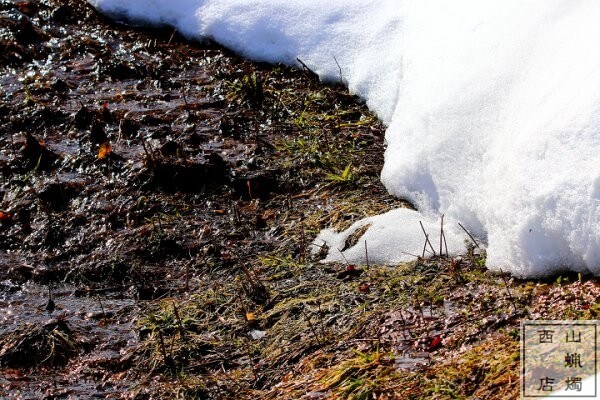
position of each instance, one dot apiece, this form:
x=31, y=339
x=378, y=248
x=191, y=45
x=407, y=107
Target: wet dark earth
x=133, y=162
x=158, y=197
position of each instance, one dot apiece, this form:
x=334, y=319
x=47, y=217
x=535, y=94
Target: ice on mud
x=493, y=108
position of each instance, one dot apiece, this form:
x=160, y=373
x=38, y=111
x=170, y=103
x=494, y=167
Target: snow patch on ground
x=493, y=108
x=391, y=238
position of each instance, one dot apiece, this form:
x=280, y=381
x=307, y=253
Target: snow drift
x=493, y=108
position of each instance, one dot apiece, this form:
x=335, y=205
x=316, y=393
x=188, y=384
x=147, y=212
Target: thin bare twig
x=306, y=67
x=178, y=318
x=311, y=327
x=411, y=254
x=344, y=257
x=172, y=36
x=427, y=239
x=168, y=360
x=339, y=69
x=510, y=296
x=441, y=233
x=445, y=244
x=471, y=236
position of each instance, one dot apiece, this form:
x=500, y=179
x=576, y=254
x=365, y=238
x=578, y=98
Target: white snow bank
x=493, y=106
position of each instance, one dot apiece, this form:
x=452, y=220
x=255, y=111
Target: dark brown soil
x=133, y=161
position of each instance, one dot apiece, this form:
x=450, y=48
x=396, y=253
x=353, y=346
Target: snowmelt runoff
x=492, y=108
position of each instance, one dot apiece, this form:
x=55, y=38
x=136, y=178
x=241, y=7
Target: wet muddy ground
x=132, y=162
x=158, y=199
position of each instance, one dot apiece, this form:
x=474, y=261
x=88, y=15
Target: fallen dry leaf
x=104, y=150
x=4, y=216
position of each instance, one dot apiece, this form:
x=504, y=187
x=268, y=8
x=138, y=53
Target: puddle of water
x=101, y=327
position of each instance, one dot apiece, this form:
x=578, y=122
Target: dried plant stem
x=344, y=257
x=443, y=237
x=312, y=328
x=427, y=242
x=471, y=236
x=179, y=323
x=169, y=363
x=510, y=296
